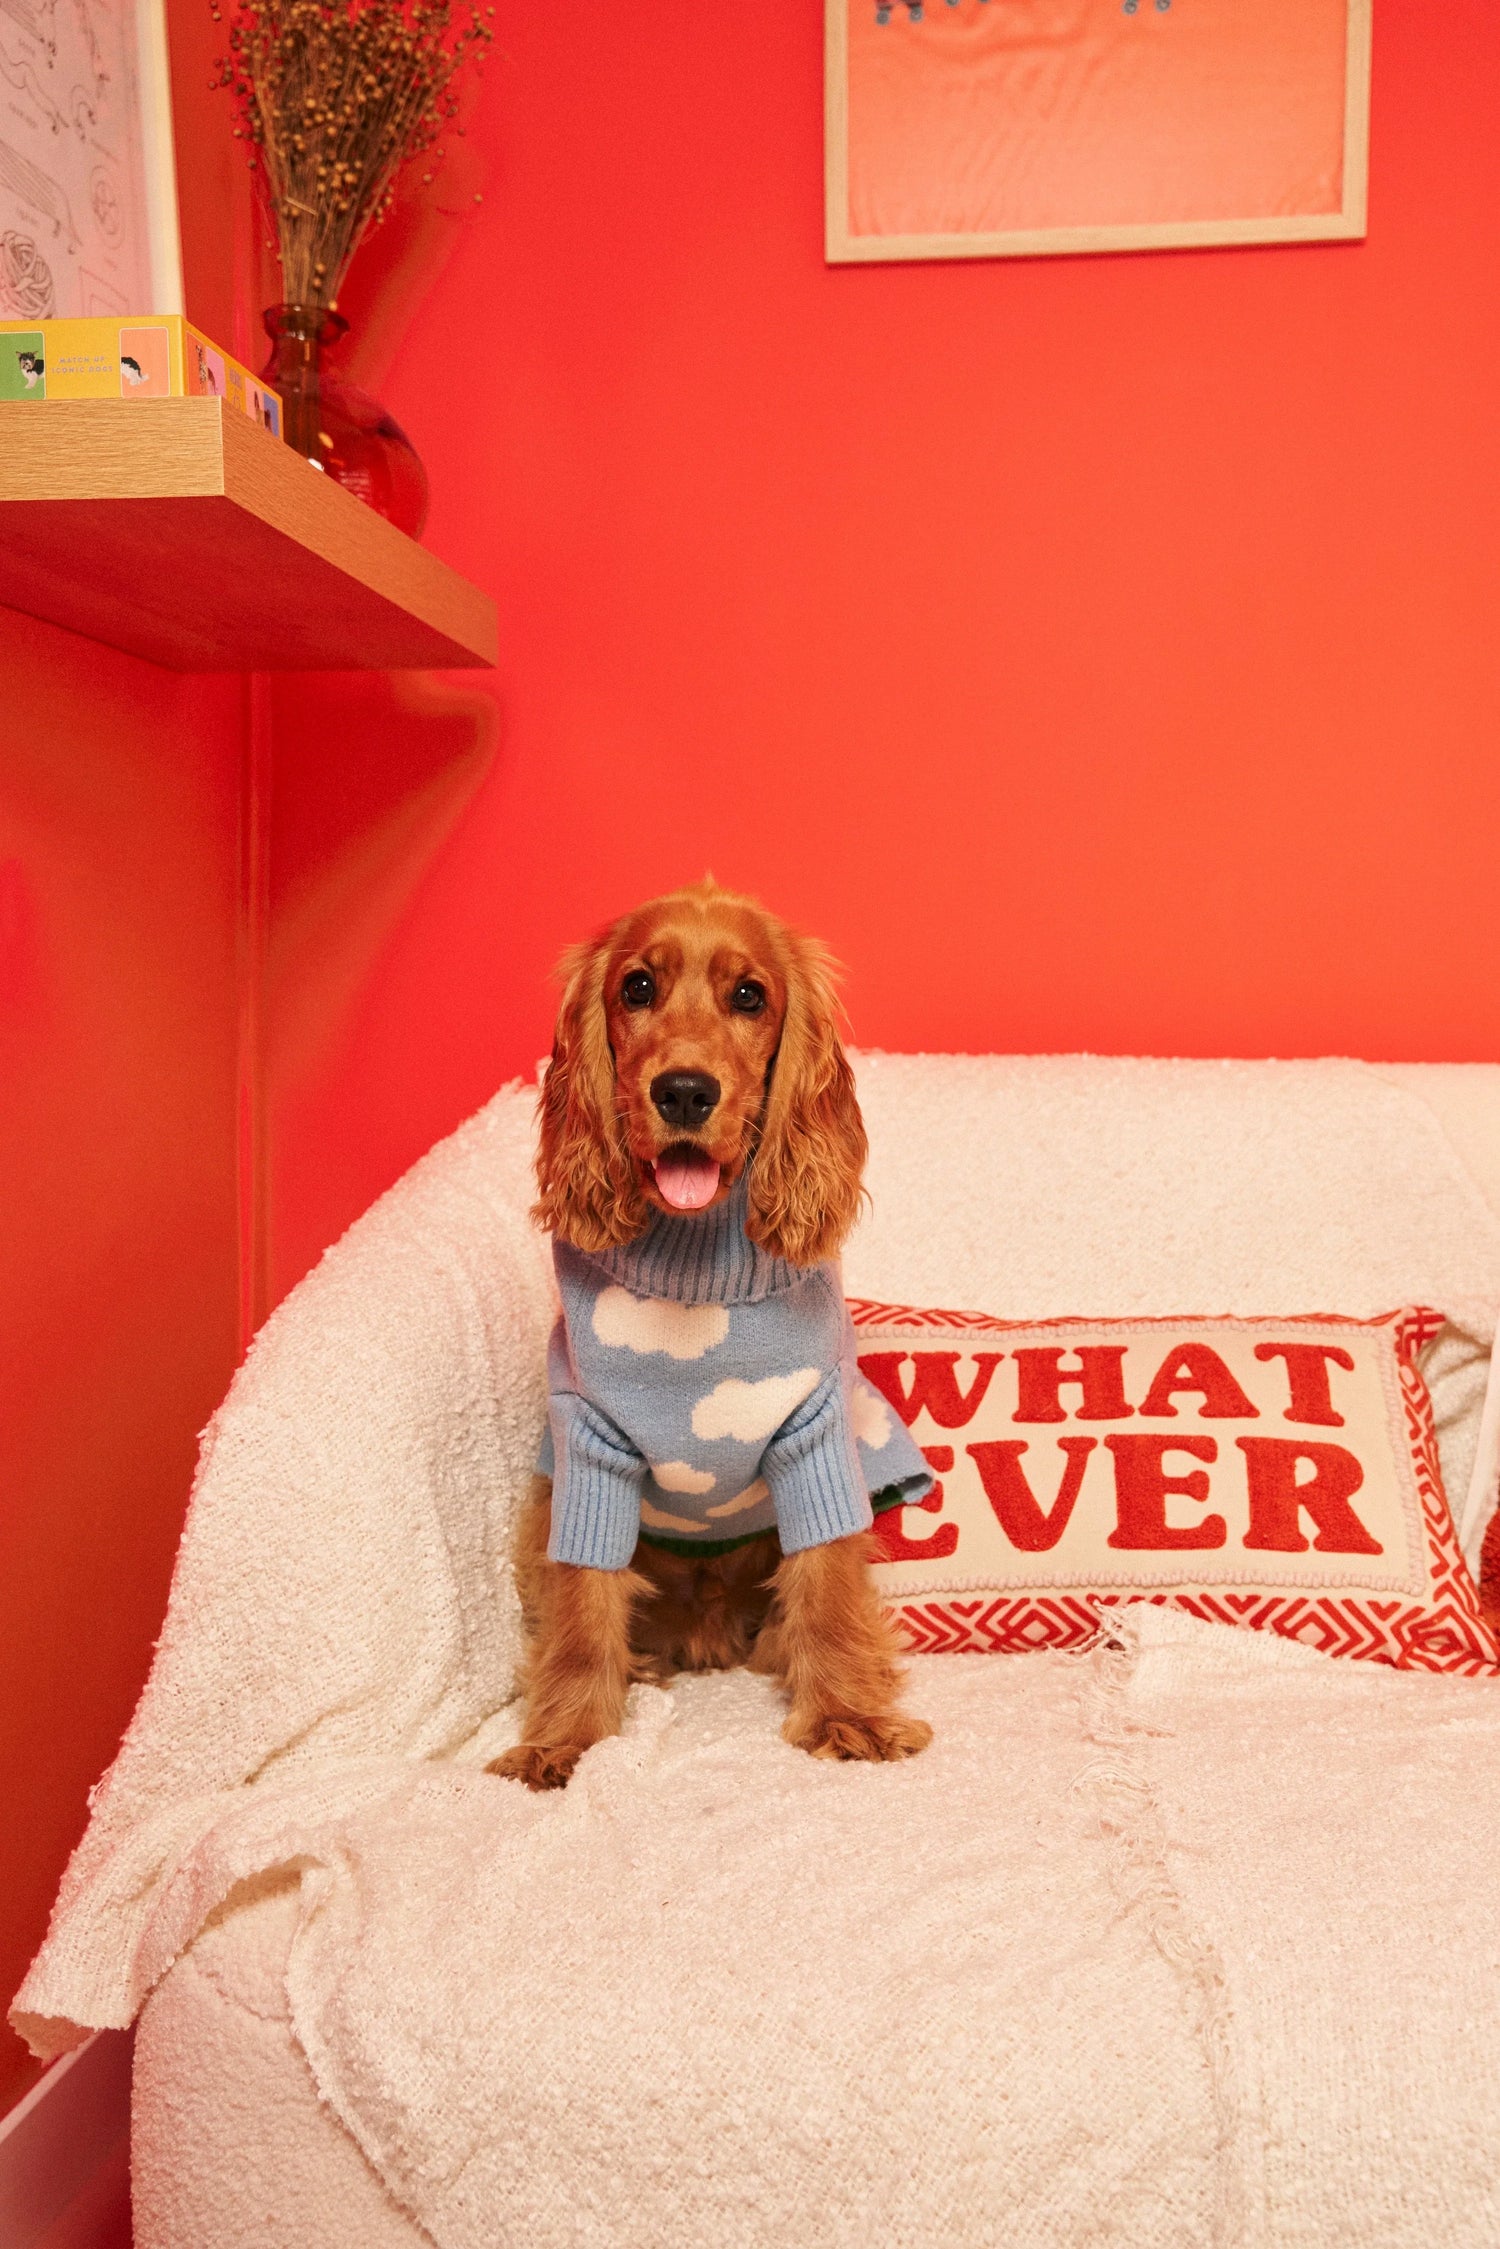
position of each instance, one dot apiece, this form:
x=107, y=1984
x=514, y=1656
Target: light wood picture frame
x=159, y=158
x=1045, y=128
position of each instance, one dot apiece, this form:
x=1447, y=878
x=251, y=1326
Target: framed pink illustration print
x=1025, y=128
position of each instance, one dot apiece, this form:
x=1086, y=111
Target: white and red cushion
x=1277, y=1474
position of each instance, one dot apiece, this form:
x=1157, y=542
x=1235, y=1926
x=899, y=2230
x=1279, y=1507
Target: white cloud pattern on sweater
x=657, y=1519
x=870, y=1416
x=750, y=1411
x=652, y=1323
x=751, y=1496
x=680, y=1476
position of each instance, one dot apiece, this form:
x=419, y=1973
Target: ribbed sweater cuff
x=813, y=1470
x=596, y=1488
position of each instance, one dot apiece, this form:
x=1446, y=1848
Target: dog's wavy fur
x=811, y=1620
x=809, y=1138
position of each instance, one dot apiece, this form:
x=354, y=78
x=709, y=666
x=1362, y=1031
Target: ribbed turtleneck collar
x=700, y=1257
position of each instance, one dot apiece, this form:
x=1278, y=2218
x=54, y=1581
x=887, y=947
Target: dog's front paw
x=537, y=1766
x=871, y=1740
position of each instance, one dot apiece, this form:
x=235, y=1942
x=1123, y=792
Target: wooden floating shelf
x=176, y=529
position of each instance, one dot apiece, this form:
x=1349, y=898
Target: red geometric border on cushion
x=1442, y=1631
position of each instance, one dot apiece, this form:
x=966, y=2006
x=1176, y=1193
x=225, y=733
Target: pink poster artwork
x=1018, y=128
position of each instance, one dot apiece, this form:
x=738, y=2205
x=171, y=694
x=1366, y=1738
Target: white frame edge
x=158, y=156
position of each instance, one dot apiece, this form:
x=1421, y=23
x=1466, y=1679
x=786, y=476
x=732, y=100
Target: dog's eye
x=638, y=989
x=748, y=997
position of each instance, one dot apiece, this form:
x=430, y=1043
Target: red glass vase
x=337, y=426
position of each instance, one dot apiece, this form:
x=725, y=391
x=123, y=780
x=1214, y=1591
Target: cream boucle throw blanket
x=342, y=1631
x=1189, y=1944
x=343, y=1593
x=1314, y=1846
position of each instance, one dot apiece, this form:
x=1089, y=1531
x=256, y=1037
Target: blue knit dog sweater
x=702, y=1392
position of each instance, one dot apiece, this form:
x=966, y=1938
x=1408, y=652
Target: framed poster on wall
x=88, y=190
x=1026, y=128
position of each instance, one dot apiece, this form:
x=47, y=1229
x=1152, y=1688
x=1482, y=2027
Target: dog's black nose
x=685, y=1097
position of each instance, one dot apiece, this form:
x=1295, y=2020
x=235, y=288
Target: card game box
x=159, y=357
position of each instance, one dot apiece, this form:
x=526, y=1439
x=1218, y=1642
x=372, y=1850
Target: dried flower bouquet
x=336, y=96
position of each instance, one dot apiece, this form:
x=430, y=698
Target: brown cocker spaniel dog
x=697, y=1033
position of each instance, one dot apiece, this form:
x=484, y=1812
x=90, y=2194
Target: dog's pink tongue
x=687, y=1181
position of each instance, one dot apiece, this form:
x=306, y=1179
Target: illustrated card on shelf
x=165, y=357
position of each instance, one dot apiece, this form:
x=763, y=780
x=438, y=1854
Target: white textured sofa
x=1151, y=1946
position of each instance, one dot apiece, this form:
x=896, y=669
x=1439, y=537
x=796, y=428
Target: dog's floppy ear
x=805, y=1180
x=588, y=1190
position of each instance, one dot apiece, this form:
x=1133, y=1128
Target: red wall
x=121, y=946
x=1098, y=652
x=118, y=935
